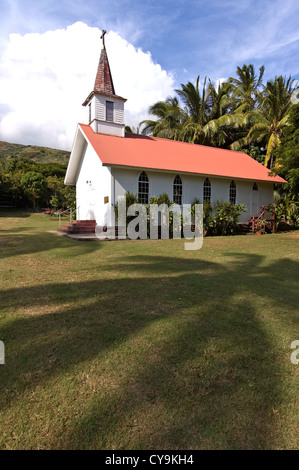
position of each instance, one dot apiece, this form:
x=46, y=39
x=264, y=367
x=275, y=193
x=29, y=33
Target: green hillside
x=32, y=176
x=35, y=153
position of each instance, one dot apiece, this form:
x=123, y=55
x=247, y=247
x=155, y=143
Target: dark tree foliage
x=26, y=183
x=287, y=155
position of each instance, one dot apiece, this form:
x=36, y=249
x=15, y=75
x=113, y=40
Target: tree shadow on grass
x=34, y=237
x=14, y=213
x=16, y=243
x=16, y=230
x=193, y=364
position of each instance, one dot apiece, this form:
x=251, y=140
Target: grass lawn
x=142, y=345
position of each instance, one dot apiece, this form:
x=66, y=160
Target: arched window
x=143, y=188
x=207, y=190
x=255, y=187
x=232, y=192
x=177, y=190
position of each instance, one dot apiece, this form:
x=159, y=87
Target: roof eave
x=94, y=92
x=75, y=161
x=212, y=175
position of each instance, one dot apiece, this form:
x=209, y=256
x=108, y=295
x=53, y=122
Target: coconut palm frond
x=273, y=143
x=239, y=144
x=149, y=126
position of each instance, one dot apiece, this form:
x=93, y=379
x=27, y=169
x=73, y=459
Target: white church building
x=106, y=162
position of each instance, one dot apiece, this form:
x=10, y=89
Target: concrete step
x=88, y=222
x=79, y=226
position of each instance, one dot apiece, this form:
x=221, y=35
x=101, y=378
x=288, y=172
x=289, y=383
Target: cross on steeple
x=103, y=37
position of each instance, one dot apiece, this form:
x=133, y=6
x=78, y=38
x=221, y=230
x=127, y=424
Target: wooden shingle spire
x=103, y=82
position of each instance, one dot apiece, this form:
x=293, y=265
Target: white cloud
x=46, y=77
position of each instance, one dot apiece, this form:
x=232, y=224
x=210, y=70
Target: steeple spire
x=103, y=82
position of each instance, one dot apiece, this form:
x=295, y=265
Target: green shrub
x=218, y=219
x=162, y=199
x=226, y=216
x=208, y=219
x=128, y=200
x=287, y=211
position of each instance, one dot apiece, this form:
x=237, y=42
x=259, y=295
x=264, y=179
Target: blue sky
x=185, y=37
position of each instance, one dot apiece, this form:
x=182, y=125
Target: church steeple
x=105, y=108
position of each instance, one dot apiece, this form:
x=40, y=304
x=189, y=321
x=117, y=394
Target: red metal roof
x=154, y=153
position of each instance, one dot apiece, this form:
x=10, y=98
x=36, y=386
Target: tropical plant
x=193, y=204
x=219, y=130
x=208, y=220
x=219, y=99
x=255, y=152
x=132, y=129
x=287, y=210
x=287, y=156
x=246, y=88
x=268, y=121
x=210, y=115
x=238, y=114
x=260, y=226
x=128, y=200
x=195, y=102
x=162, y=199
x=170, y=117
x=206, y=111
x=226, y=216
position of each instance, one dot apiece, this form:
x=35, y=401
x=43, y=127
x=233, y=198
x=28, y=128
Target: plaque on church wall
x=106, y=199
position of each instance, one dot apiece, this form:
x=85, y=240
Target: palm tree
x=217, y=116
x=195, y=103
x=259, y=116
x=246, y=88
x=170, y=117
x=219, y=100
x=268, y=121
x=218, y=129
x=203, y=119
x=196, y=111
x=240, y=96
x=238, y=113
x=132, y=129
x=177, y=123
